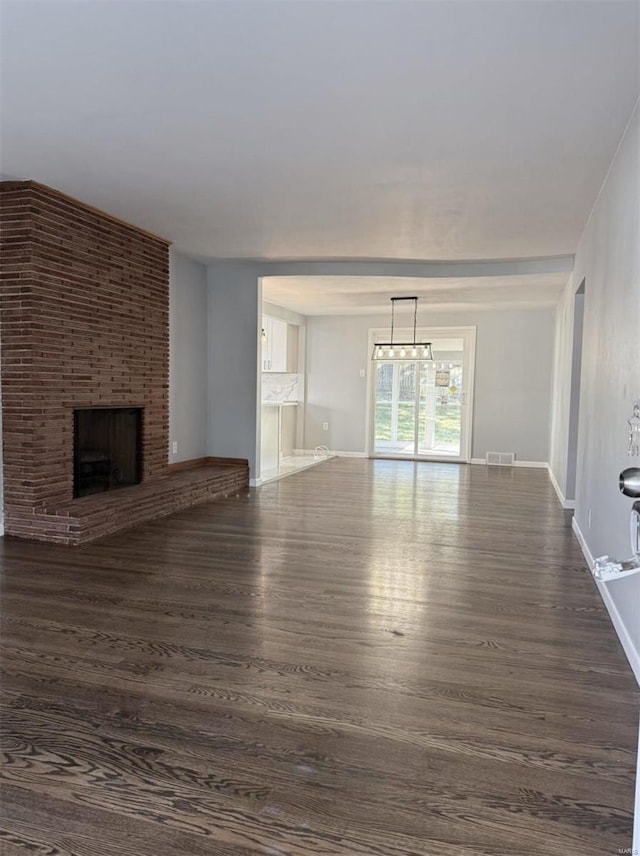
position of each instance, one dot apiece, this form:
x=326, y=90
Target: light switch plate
x=174, y=447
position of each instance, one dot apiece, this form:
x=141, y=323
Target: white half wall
x=608, y=259
x=514, y=352
x=187, y=358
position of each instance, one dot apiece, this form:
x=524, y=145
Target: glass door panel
x=440, y=409
x=405, y=420
x=395, y=408
x=383, y=406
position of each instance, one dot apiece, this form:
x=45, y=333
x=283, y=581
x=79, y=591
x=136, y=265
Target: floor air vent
x=500, y=459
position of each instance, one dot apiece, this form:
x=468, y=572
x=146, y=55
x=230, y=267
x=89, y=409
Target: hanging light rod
x=402, y=350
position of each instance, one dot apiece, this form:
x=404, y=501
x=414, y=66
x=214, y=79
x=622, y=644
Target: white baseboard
x=583, y=544
x=633, y=655
x=255, y=482
x=539, y=465
x=565, y=503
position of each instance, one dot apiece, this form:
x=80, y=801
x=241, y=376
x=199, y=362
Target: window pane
x=406, y=421
x=383, y=421
x=384, y=381
x=407, y=382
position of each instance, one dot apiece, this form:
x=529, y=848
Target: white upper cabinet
x=274, y=344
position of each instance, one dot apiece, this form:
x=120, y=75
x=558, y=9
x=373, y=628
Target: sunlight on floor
x=293, y=464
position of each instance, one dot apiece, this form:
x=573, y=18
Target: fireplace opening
x=106, y=448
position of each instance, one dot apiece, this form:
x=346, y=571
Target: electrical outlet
x=325, y=426
x=362, y=372
x=174, y=447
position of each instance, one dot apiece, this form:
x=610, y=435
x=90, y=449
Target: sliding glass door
x=422, y=409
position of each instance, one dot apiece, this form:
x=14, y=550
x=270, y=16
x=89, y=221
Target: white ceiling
x=344, y=295
x=391, y=130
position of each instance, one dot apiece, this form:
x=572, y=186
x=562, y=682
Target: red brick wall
x=85, y=321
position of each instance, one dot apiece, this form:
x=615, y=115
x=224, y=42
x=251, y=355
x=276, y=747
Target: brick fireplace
x=85, y=324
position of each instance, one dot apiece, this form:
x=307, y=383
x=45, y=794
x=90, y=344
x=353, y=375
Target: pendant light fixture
x=402, y=350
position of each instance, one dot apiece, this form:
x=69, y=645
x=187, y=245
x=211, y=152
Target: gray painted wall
x=187, y=358
x=514, y=351
x=234, y=311
x=608, y=258
x=282, y=313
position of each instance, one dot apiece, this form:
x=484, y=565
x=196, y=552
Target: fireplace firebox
x=107, y=448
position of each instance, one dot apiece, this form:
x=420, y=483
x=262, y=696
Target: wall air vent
x=500, y=459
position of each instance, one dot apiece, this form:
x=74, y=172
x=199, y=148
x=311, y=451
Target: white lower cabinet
x=270, y=438
x=278, y=433
x=288, y=424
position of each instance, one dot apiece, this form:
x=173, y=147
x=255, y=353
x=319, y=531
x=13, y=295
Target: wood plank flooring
x=365, y=659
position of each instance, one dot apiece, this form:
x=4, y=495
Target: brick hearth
x=85, y=323
x=89, y=517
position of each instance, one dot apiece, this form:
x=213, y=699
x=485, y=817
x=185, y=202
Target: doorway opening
x=574, y=400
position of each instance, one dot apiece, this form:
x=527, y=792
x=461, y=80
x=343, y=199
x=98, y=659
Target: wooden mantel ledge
x=195, y=463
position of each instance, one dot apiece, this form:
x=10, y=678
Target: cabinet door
x=274, y=345
x=267, y=339
x=288, y=420
x=270, y=439
x=279, y=346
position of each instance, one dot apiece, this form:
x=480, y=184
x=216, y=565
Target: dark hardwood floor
x=364, y=659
